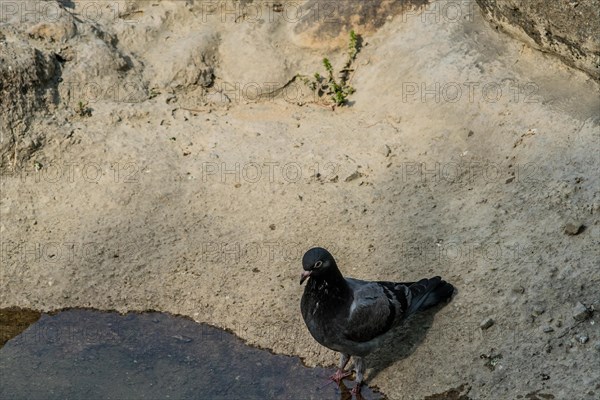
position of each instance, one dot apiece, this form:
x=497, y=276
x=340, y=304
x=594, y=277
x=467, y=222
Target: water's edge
x=74, y=353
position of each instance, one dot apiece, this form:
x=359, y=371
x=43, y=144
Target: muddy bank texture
x=568, y=29
x=184, y=182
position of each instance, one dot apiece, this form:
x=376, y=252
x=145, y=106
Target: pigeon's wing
x=375, y=309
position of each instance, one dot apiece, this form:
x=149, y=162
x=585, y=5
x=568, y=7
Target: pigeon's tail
x=429, y=292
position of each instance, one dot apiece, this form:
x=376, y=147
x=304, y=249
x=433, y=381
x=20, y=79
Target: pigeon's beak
x=304, y=276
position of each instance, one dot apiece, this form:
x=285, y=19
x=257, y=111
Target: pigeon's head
x=317, y=261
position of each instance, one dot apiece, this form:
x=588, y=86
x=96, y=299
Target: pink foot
x=356, y=389
x=339, y=375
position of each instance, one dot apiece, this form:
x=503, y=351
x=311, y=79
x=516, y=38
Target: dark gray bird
x=352, y=316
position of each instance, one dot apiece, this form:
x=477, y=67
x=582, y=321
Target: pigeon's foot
x=339, y=375
x=356, y=389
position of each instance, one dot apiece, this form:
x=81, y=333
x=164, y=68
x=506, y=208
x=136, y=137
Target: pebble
x=486, y=323
x=518, y=289
x=581, y=312
x=181, y=338
x=574, y=229
x=548, y=329
x=559, y=323
x=597, y=345
x=582, y=338
x=538, y=310
x=353, y=177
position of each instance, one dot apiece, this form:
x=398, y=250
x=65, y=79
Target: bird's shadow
x=402, y=342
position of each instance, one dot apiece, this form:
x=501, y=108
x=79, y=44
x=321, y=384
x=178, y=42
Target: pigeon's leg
x=340, y=374
x=359, y=366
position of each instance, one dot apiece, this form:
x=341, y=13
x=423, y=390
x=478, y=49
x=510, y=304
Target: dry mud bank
x=149, y=162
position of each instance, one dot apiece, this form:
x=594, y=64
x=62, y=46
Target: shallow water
x=77, y=354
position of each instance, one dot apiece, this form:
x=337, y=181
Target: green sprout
x=83, y=110
x=154, y=92
x=337, y=90
x=353, y=46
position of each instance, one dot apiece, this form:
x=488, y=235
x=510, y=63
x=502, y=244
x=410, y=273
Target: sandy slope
x=462, y=154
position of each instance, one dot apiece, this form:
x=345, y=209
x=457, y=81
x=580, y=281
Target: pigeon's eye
x=318, y=264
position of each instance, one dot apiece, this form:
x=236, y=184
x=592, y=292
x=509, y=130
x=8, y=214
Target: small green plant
x=154, y=92
x=338, y=90
x=354, y=44
x=83, y=110
x=328, y=67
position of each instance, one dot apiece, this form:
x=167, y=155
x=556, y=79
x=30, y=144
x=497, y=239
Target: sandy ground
x=462, y=154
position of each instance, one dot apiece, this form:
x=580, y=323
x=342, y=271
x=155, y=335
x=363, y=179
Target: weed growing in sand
x=83, y=110
x=337, y=90
x=154, y=92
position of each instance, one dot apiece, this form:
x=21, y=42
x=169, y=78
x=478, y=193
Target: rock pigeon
x=351, y=316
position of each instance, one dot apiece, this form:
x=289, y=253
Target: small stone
x=597, y=345
x=353, y=177
x=471, y=133
x=548, y=329
x=559, y=323
x=272, y=227
x=574, y=229
x=518, y=289
x=486, y=323
x=181, y=338
x=582, y=338
x=581, y=312
x=537, y=311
